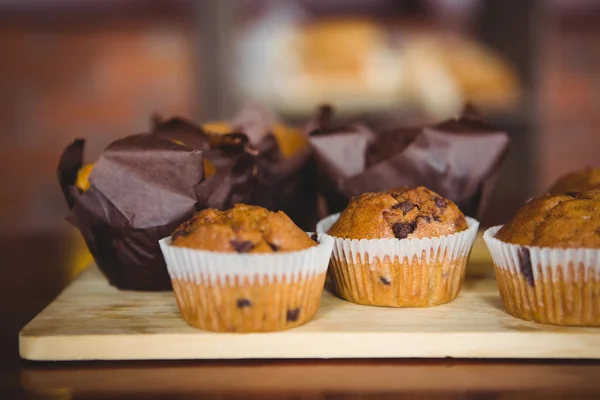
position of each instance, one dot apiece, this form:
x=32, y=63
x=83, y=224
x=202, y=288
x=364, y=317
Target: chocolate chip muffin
x=246, y=270
x=242, y=229
x=402, y=214
x=577, y=181
x=558, y=221
x=547, y=259
x=402, y=248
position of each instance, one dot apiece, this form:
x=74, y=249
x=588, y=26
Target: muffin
x=577, y=181
x=278, y=155
x=139, y=190
x=246, y=270
x=547, y=259
x=401, y=248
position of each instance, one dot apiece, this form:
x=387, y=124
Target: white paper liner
x=547, y=263
x=200, y=266
x=435, y=249
x=557, y=286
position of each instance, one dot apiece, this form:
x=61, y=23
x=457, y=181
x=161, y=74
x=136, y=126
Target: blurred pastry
x=338, y=49
x=346, y=61
x=442, y=73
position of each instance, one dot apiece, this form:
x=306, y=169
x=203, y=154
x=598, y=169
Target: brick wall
x=99, y=82
x=569, y=134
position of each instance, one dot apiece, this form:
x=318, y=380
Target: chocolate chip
x=405, y=206
x=292, y=315
x=243, y=246
x=572, y=194
x=525, y=263
x=427, y=218
x=273, y=246
x=441, y=203
x=385, y=281
x=243, y=303
x=436, y=218
x=403, y=229
x=315, y=238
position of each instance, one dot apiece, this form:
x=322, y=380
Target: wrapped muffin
x=547, y=260
x=246, y=270
x=459, y=159
x=136, y=193
x=401, y=248
x=284, y=175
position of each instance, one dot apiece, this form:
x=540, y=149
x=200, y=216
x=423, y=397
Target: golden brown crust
x=577, y=181
x=401, y=213
x=556, y=221
x=242, y=229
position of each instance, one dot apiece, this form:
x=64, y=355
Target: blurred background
x=98, y=69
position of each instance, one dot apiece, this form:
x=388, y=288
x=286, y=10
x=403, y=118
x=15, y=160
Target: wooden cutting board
x=91, y=320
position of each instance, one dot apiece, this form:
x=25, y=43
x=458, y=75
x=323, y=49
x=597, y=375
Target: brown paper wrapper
x=286, y=184
x=142, y=188
x=458, y=159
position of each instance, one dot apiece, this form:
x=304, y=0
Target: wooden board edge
x=310, y=345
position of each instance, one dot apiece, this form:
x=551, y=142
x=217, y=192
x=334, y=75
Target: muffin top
x=577, y=181
x=242, y=229
x=401, y=213
x=564, y=220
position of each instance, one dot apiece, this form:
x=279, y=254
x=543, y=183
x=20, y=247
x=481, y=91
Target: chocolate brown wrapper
x=458, y=159
x=286, y=184
x=142, y=188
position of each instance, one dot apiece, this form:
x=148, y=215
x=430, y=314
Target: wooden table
x=36, y=268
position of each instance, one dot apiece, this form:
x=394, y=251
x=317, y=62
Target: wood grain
x=314, y=376
x=91, y=320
